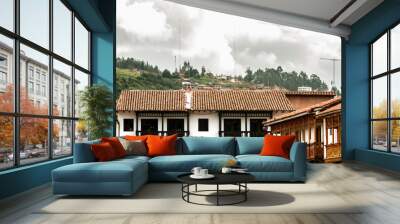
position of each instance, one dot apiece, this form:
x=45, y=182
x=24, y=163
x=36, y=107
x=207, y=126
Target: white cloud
x=143, y=20
x=157, y=31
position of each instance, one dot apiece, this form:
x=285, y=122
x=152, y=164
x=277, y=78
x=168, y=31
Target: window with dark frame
x=385, y=97
x=40, y=48
x=128, y=124
x=203, y=124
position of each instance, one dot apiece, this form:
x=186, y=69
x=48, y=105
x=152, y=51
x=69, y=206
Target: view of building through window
x=40, y=105
x=385, y=97
x=196, y=72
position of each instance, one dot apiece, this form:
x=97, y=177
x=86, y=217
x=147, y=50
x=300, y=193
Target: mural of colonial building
x=201, y=112
x=318, y=125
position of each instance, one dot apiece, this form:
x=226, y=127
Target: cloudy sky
x=157, y=31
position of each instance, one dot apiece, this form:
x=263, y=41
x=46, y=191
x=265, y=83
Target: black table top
x=220, y=178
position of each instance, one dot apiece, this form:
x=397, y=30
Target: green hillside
x=136, y=74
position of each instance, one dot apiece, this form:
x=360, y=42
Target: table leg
x=245, y=193
x=195, y=188
x=217, y=194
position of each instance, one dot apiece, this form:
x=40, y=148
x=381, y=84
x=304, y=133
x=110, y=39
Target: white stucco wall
x=212, y=124
x=120, y=129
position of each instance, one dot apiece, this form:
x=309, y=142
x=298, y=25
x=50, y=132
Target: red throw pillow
x=161, y=145
x=277, y=145
x=116, y=145
x=136, y=138
x=103, y=152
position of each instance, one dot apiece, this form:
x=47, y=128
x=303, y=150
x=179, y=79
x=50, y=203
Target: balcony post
x=162, y=123
x=219, y=124
x=246, y=134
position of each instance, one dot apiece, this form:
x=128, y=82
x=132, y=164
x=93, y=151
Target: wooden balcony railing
x=242, y=133
x=163, y=133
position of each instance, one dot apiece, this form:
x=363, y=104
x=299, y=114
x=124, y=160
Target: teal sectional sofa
x=125, y=176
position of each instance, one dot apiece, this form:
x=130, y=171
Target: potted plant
x=96, y=102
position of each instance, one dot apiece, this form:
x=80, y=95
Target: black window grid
x=388, y=74
x=16, y=114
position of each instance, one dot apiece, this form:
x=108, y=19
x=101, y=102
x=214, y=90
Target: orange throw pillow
x=161, y=145
x=136, y=138
x=116, y=145
x=277, y=145
x=103, y=152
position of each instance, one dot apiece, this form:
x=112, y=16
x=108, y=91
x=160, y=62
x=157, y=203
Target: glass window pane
x=33, y=139
x=62, y=89
x=62, y=29
x=379, y=55
x=35, y=21
x=6, y=142
x=62, y=138
x=395, y=136
x=81, y=82
x=379, y=135
x=395, y=94
x=34, y=72
x=81, y=45
x=6, y=74
x=395, y=47
x=379, y=97
x=81, y=131
x=7, y=14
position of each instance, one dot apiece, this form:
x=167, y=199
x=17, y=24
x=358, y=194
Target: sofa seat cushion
x=112, y=171
x=257, y=163
x=185, y=163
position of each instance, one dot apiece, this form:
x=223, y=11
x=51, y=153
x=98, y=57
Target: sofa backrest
x=206, y=145
x=249, y=145
x=83, y=152
x=190, y=146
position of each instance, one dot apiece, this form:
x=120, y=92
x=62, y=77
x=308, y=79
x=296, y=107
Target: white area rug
x=166, y=198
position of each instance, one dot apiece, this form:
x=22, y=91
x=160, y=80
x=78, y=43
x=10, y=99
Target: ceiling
x=327, y=16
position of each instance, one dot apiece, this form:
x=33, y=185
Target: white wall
x=212, y=124
x=120, y=129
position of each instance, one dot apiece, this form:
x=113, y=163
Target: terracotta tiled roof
x=307, y=93
x=240, y=100
x=333, y=109
x=151, y=100
x=304, y=111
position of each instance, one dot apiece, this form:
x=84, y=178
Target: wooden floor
x=379, y=190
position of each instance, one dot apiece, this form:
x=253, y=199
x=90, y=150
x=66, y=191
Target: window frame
x=16, y=114
x=388, y=74
x=198, y=124
x=133, y=124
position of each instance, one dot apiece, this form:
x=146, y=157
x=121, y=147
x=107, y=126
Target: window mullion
x=73, y=81
x=389, y=100
x=16, y=69
x=50, y=81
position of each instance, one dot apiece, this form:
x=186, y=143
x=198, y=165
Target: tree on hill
x=150, y=77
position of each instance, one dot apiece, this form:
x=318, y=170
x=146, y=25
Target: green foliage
x=136, y=74
x=131, y=63
x=97, y=104
x=144, y=80
x=282, y=79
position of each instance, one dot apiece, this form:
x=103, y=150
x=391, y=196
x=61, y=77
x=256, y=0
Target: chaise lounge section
x=125, y=176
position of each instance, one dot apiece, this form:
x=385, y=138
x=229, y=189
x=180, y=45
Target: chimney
x=188, y=99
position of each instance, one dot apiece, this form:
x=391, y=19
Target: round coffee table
x=238, y=179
